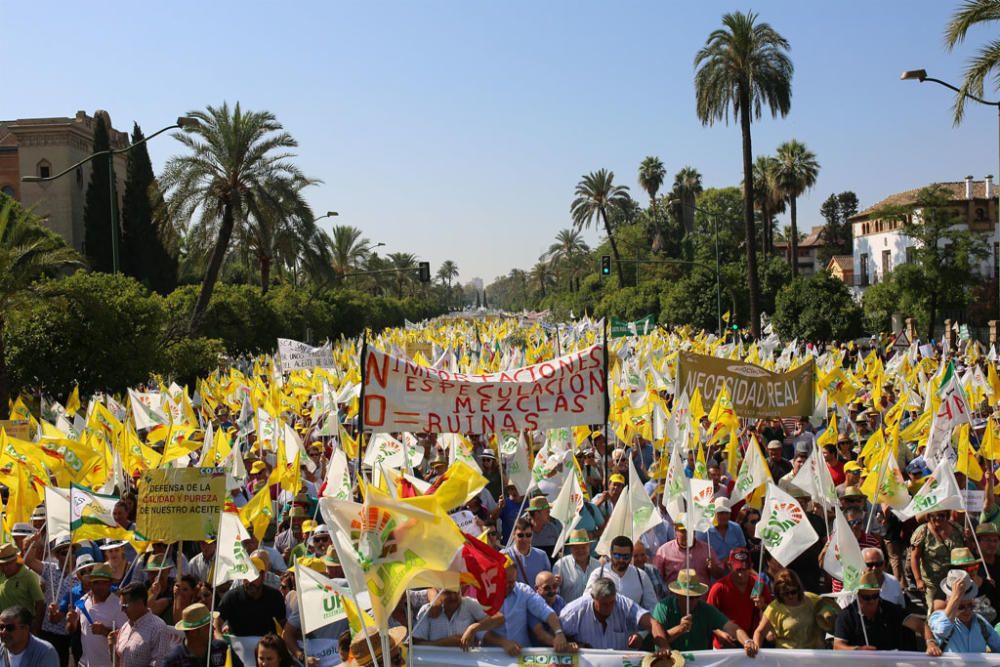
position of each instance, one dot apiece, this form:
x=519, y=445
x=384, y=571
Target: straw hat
x=853, y=492
x=986, y=528
x=538, y=503
x=579, y=536
x=687, y=584
x=675, y=659
x=360, y=656
x=195, y=616
x=955, y=576
x=869, y=582
x=158, y=562
x=963, y=556
x=101, y=571
x=8, y=553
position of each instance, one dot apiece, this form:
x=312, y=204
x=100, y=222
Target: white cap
x=722, y=504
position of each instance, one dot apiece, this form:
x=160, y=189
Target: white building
x=880, y=245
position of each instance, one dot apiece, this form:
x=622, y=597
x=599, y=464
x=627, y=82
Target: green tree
x=233, y=157
x=742, y=67
x=145, y=256
x=596, y=197
x=651, y=175
x=837, y=235
x=817, y=308
x=566, y=253
x=27, y=252
x=447, y=272
x=879, y=302
x=767, y=198
x=986, y=63
x=796, y=172
x=945, y=254
x=404, y=265
x=98, y=227
x=349, y=248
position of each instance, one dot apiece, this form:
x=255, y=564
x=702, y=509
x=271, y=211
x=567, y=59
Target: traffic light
x=605, y=265
x=425, y=272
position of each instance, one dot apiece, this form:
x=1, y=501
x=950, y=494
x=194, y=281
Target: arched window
x=44, y=169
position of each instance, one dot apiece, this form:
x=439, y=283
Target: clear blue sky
x=458, y=130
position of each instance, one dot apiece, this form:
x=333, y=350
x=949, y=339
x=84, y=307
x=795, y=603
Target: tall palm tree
x=448, y=272
x=405, y=265
x=562, y=255
x=796, y=172
x=687, y=187
x=348, y=249
x=651, y=175
x=742, y=67
x=596, y=193
x=986, y=63
x=233, y=155
x=542, y=275
x=768, y=198
x=27, y=251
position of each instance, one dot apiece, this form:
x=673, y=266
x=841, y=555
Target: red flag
x=485, y=565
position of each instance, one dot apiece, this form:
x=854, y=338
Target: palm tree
x=543, y=277
x=233, y=156
x=743, y=66
x=596, y=193
x=651, y=175
x=767, y=198
x=348, y=249
x=687, y=187
x=796, y=172
x=27, y=251
x=405, y=264
x=448, y=272
x=986, y=63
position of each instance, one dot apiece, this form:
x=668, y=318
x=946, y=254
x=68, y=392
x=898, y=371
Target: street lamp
x=921, y=76
x=328, y=214
x=715, y=226
x=372, y=247
x=184, y=123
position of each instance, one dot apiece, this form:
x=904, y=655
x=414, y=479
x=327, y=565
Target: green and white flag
x=321, y=599
x=91, y=516
x=843, y=559
x=753, y=473
x=676, y=482
x=232, y=562
x=567, y=508
x=940, y=492
x=784, y=528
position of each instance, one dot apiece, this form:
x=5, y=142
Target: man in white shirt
x=574, y=568
x=449, y=620
x=628, y=580
x=891, y=590
x=101, y=615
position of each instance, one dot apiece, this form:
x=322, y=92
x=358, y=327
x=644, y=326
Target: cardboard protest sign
x=400, y=395
x=300, y=356
x=180, y=503
x=755, y=391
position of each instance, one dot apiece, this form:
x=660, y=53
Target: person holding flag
x=882, y=621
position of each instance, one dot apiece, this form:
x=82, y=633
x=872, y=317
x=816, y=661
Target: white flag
x=232, y=561
x=320, y=598
x=518, y=468
x=784, y=527
x=701, y=509
x=619, y=523
x=338, y=477
x=952, y=411
x=814, y=478
x=645, y=516
x=567, y=508
x=146, y=409
x=676, y=482
x=940, y=492
x=843, y=559
x=753, y=472
x=56, y=511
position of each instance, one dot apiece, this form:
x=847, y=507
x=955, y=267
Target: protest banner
x=16, y=428
x=400, y=395
x=294, y=355
x=641, y=327
x=180, y=503
x=755, y=391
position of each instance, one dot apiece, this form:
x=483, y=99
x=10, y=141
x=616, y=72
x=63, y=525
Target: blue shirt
x=579, y=621
x=963, y=639
x=722, y=546
x=521, y=601
x=508, y=517
x=557, y=607
x=529, y=566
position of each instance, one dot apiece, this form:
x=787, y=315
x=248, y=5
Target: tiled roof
x=908, y=197
x=843, y=262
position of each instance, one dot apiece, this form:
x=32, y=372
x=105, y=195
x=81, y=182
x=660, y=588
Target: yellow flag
x=994, y=381
x=73, y=402
x=725, y=317
x=695, y=408
x=991, y=443
x=967, y=463
x=829, y=435
x=23, y=499
x=257, y=513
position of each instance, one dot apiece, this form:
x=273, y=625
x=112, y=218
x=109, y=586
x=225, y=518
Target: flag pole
x=361, y=402
x=409, y=629
x=302, y=613
x=881, y=479
x=211, y=608
x=861, y=616
x=975, y=538
x=607, y=407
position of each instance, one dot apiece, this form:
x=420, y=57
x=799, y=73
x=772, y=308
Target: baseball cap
x=851, y=466
x=739, y=559
x=617, y=478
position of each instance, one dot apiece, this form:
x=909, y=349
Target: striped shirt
x=143, y=643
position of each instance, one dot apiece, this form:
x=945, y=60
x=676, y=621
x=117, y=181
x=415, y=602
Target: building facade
x=809, y=249
x=44, y=147
x=880, y=245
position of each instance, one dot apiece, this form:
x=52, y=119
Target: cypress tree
x=97, y=227
x=144, y=255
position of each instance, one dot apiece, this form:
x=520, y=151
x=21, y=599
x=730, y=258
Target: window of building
x=79, y=176
x=886, y=262
x=911, y=255
x=864, y=270
x=44, y=169
x=980, y=214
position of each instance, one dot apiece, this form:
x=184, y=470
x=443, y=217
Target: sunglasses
x=872, y=566
x=621, y=556
x=492, y=533
x=524, y=535
x=855, y=522
x=869, y=597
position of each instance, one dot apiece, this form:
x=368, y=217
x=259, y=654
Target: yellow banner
x=180, y=504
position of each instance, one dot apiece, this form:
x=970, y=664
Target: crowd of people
x=928, y=582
